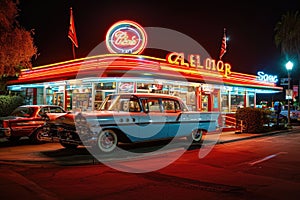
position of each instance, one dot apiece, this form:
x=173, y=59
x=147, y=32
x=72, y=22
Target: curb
x=257, y=135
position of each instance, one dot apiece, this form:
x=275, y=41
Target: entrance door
x=205, y=102
x=58, y=99
x=210, y=101
x=215, y=101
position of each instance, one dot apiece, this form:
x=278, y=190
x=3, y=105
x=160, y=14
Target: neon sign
x=126, y=37
x=266, y=77
x=194, y=61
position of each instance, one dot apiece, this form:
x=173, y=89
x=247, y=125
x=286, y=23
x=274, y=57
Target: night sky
x=250, y=27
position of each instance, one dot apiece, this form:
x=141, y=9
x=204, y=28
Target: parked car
x=294, y=113
x=130, y=118
x=28, y=121
x=282, y=120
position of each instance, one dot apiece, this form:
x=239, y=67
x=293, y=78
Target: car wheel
x=196, y=135
x=36, y=137
x=68, y=146
x=107, y=141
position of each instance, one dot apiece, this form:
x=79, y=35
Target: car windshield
x=56, y=110
x=23, y=112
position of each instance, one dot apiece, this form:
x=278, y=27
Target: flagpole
x=73, y=49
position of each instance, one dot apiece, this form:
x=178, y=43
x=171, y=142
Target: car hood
x=66, y=118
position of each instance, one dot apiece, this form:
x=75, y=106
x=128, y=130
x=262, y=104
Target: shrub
x=255, y=120
x=9, y=103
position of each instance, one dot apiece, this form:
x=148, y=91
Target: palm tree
x=287, y=35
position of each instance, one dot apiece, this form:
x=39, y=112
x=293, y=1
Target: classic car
x=137, y=117
x=28, y=121
x=294, y=113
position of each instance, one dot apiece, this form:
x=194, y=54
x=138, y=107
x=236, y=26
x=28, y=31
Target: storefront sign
x=126, y=37
x=261, y=76
x=194, y=61
x=126, y=87
x=288, y=94
x=295, y=91
x=284, y=81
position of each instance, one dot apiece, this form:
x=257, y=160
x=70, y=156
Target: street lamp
x=289, y=66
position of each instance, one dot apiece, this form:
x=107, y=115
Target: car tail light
x=5, y=124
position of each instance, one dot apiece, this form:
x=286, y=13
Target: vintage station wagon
x=134, y=118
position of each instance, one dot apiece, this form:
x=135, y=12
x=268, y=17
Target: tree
x=16, y=43
x=287, y=35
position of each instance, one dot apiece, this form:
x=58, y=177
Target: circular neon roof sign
x=126, y=37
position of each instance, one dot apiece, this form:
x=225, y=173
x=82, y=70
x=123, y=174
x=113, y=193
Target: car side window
x=23, y=112
x=124, y=105
x=42, y=112
x=170, y=105
x=134, y=106
x=177, y=106
x=151, y=105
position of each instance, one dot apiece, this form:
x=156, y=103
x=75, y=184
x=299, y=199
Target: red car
x=28, y=121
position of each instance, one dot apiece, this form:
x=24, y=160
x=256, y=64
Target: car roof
x=141, y=95
x=40, y=106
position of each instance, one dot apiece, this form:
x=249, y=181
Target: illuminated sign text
x=261, y=76
x=194, y=61
x=126, y=37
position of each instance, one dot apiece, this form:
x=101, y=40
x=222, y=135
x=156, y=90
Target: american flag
x=72, y=32
x=223, y=46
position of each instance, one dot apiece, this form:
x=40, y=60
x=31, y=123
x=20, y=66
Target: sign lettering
x=194, y=61
x=266, y=77
x=126, y=37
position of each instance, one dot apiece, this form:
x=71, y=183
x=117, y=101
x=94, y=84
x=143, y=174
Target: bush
x=9, y=103
x=254, y=119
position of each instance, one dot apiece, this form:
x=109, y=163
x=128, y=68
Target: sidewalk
x=232, y=136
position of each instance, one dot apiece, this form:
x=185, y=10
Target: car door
x=172, y=111
x=26, y=122
x=152, y=121
x=127, y=116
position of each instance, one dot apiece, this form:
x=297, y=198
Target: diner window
x=251, y=99
x=237, y=101
x=224, y=102
x=143, y=87
x=126, y=87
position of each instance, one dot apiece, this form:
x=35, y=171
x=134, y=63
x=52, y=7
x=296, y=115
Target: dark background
x=249, y=24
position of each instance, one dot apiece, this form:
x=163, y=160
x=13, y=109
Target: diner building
x=204, y=84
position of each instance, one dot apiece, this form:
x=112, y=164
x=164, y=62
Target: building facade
x=82, y=84
x=204, y=84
